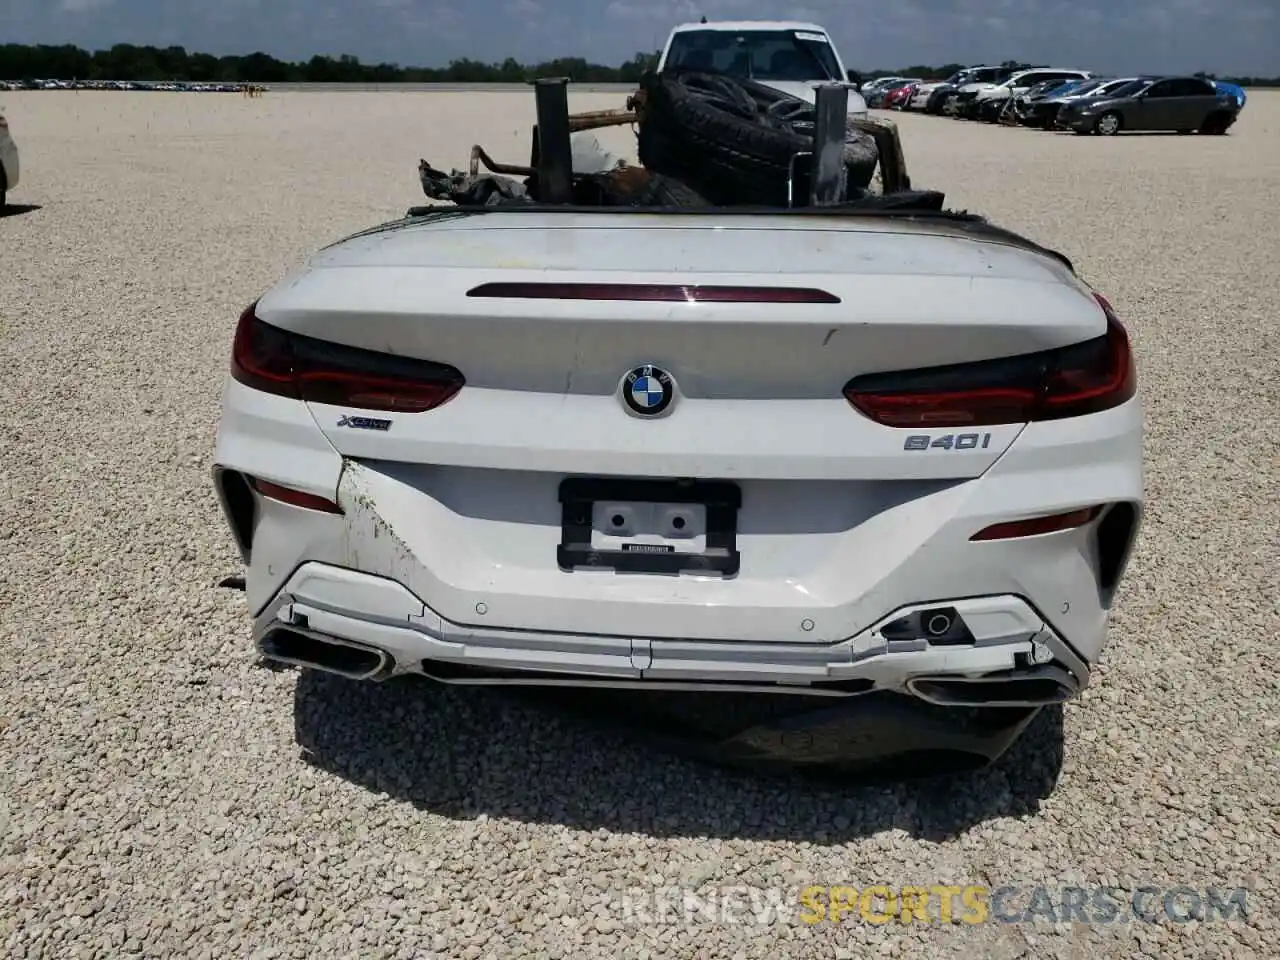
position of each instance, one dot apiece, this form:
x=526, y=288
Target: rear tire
x=1215, y=125
x=1109, y=124
x=706, y=131
x=698, y=129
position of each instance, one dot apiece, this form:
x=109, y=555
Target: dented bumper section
x=988, y=651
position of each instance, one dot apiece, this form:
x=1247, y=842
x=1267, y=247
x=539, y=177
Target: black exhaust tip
x=333, y=656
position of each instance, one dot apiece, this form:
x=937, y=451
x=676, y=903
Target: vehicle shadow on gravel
x=17, y=209
x=463, y=752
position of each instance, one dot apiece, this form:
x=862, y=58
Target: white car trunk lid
x=543, y=376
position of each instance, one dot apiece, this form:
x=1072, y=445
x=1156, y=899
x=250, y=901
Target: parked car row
x=173, y=86
x=1068, y=98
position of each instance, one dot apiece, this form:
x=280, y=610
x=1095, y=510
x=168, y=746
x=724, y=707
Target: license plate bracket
x=718, y=503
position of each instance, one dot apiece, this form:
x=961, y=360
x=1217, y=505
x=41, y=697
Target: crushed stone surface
x=162, y=795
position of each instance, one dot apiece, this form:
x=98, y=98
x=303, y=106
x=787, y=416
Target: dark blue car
x=1232, y=90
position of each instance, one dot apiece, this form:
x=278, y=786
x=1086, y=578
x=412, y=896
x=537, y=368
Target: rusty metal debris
x=595, y=119
x=550, y=176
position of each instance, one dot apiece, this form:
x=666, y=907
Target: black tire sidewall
x=723, y=156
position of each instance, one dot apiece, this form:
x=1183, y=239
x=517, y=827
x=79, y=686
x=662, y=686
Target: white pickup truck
x=790, y=56
x=880, y=457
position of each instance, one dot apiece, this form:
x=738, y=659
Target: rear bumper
x=1009, y=643
x=468, y=556
x=1067, y=119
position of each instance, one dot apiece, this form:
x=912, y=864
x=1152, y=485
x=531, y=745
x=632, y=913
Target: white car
x=975, y=100
x=8, y=161
x=788, y=55
x=828, y=453
x=924, y=99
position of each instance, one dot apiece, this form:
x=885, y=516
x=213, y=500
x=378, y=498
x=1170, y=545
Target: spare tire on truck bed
x=733, y=140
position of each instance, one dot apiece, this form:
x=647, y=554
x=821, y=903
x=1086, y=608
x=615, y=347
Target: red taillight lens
x=261, y=356
x=1050, y=385
x=296, y=498
x=659, y=292
x=1034, y=526
x=304, y=368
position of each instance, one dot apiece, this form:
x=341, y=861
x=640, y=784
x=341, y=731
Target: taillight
x=261, y=356
x=303, y=368
x=1049, y=385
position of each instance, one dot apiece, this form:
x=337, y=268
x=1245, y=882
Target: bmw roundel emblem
x=648, y=390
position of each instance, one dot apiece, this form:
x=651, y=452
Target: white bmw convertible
x=820, y=452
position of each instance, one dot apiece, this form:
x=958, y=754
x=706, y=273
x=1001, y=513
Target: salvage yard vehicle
x=1015, y=108
x=593, y=429
x=1043, y=111
x=989, y=102
x=933, y=97
x=790, y=56
x=875, y=91
x=8, y=161
x=1184, y=104
x=1237, y=92
x=899, y=98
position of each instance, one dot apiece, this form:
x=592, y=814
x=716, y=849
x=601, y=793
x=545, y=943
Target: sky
x=1240, y=37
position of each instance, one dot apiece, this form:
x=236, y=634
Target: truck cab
x=791, y=56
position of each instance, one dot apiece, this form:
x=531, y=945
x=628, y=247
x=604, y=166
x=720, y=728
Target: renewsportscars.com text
x=971, y=904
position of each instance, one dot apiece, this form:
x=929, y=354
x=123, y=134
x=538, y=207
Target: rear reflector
x=653, y=292
x=317, y=371
x=1067, y=382
x=1034, y=526
x=296, y=498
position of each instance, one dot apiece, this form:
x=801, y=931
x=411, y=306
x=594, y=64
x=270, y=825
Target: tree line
x=126, y=61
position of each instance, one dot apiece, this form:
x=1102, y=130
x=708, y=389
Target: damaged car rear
x=846, y=447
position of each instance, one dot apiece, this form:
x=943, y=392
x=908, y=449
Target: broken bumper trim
x=1004, y=644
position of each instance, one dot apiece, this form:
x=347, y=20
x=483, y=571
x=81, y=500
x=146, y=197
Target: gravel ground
x=164, y=796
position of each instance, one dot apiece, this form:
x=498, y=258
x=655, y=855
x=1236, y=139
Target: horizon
x=356, y=63
x=1171, y=36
